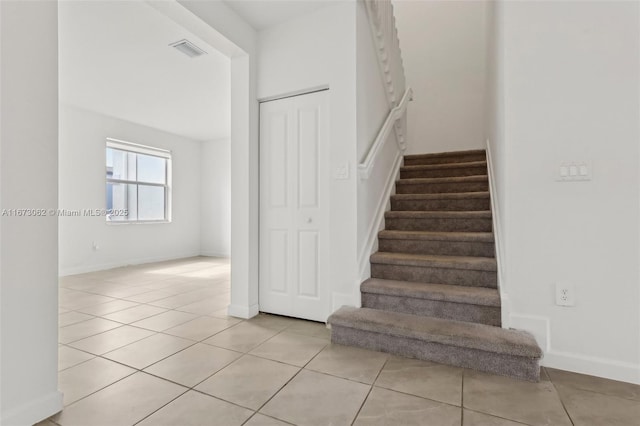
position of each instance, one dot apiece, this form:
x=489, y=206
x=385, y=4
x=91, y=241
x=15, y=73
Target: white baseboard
x=601, y=367
x=34, y=411
x=505, y=310
x=536, y=325
x=244, y=312
x=74, y=270
x=208, y=253
x=497, y=237
x=593, y=366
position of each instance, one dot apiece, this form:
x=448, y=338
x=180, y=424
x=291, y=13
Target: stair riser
x=506, y=365
x=488, y=315
x=465, y=204
x=423, y=274
x=439, y=224
x=463, y=158
x=454, y=172
x=439, y=188
x=445, y=248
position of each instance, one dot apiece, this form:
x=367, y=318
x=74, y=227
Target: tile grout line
x=136, y=370
x=560, y=398
x=595, y=392
x=462, y=398
x=364, y=401
x=193, y=388
x=131, y=323
x=499, y=417
x=124, y=299
x=101, y=389
x=288, y=381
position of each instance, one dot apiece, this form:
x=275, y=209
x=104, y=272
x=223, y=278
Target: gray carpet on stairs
x=440, y=292
x=458, y=201
x=473, y=168
x=445, y=157
x=442, y=221
x=469, y=312
x=440, y=185
x=443, y=243
x=463, y=344
x=433, y=292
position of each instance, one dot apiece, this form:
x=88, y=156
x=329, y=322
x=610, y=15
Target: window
x=138, y=183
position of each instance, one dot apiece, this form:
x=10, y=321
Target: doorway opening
x=144, y=189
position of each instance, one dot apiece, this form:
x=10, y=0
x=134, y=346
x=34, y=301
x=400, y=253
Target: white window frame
x=146, y=150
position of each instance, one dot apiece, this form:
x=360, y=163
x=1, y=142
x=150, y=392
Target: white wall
x=372, y=104
x=443, y=49
x=215, y=198
x=28, y=245
x=312, y=51
x=82, y=186
x=569, y=77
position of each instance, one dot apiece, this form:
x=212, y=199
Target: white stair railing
x=377, y=182
x=385, y=36
x=396, y=115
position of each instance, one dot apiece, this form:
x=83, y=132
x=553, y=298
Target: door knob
x=309, y=220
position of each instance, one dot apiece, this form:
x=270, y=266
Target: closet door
x=294, y=196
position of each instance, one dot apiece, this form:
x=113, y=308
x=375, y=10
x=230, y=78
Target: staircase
x=433, y=292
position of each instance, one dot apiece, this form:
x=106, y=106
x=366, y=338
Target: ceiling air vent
x=188, y=48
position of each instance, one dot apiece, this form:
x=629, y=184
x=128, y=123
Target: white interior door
x=294, y=198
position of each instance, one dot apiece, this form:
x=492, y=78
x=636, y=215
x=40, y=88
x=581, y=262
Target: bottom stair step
x=460, y=303
x=481, y=347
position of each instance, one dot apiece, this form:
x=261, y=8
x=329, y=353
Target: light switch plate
x=341, y=172
x=572, y=171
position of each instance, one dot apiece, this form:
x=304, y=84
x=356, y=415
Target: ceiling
x=261, y=14
x=115, y=59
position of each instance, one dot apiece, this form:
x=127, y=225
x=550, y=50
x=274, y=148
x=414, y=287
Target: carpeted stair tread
x=441, y=201
x=442, y=196
x=456, y=334
x=425, y=167
x=442, y=292
x=445, y=157
x=432, y=261
x=445, y=154
x=452, y=179
x=419, y=214
x=485, y=237
x=464, y=242
x=471, y=168
x=425, y=185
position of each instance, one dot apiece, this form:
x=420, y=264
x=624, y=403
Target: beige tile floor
x=152, y=345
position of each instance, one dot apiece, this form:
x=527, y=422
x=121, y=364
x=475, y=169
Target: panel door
x=294, y=197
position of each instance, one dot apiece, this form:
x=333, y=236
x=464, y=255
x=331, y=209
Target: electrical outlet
x=565, y=294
